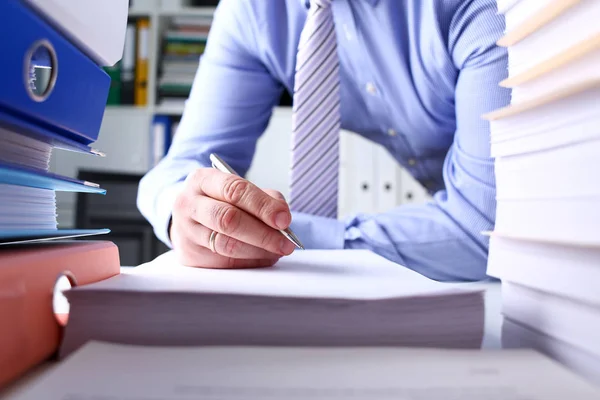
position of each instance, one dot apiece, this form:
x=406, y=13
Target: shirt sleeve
x=229, y=107
x=442, y=239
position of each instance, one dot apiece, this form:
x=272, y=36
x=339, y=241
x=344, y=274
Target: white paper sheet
x=115, y=372
x=348, y=274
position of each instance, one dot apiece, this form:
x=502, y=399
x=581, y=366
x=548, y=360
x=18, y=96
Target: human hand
x=245, y=220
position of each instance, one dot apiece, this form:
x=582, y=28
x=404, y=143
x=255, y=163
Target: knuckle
x=185, y=206
x=265, y=207
x=235, y=189
x=229, y=245
x=227, y=219
x=266, y=240
x=196, y=179
x=277, y=194
x=195, y=176
x=181, y=202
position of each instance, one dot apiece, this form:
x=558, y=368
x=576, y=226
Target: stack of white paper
x=121, y=372
x=24, y=207
x=311, y=298
x=546, y=243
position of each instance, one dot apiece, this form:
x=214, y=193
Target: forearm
x=436, y=239
x=229, y=107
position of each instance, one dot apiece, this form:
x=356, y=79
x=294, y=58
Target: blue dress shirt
x=416, y=76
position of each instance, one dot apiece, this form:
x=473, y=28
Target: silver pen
x=222, y=166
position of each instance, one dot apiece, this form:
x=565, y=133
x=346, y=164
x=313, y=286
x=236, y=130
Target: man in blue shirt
x=414, y=76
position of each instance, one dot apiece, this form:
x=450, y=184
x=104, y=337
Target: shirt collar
x=306, y=3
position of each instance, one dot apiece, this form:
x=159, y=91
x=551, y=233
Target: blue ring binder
x=74, y=108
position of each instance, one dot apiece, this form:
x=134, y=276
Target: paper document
x=347, y=274
x=119, y=372
x=311, y=298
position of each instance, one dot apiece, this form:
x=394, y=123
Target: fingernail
x=286, y=246
x=282, y=220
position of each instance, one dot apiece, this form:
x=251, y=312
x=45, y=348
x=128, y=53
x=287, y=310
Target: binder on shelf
x=141, y=62
x=128, y=65
x=160, y=138
x=48, y=81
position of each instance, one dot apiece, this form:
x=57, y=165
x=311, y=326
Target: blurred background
x=164, y=41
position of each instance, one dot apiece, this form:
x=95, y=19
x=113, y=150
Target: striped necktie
x=316, y=116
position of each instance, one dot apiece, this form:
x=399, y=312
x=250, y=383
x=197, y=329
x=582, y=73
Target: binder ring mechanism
x=40, y=70
x=60, y=305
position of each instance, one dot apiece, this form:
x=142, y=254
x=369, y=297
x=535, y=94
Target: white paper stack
x=25, y=207
x=546, y=243
x=128, y=372
x=310, y=298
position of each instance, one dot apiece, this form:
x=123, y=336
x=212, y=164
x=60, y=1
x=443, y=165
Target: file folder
x=22, y=176
x=27, y=128
x=13, y=237
x=73, y=106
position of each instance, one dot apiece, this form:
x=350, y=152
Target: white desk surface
x=491, y=340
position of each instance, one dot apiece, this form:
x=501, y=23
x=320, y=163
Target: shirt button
x=371, y=88
x=412, y=162
x=392, y=132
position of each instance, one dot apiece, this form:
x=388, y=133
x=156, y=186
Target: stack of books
x=53, y=96
x=546, y=243
x=184, y=43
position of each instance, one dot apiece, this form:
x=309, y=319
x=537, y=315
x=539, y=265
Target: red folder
x=29, y=330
